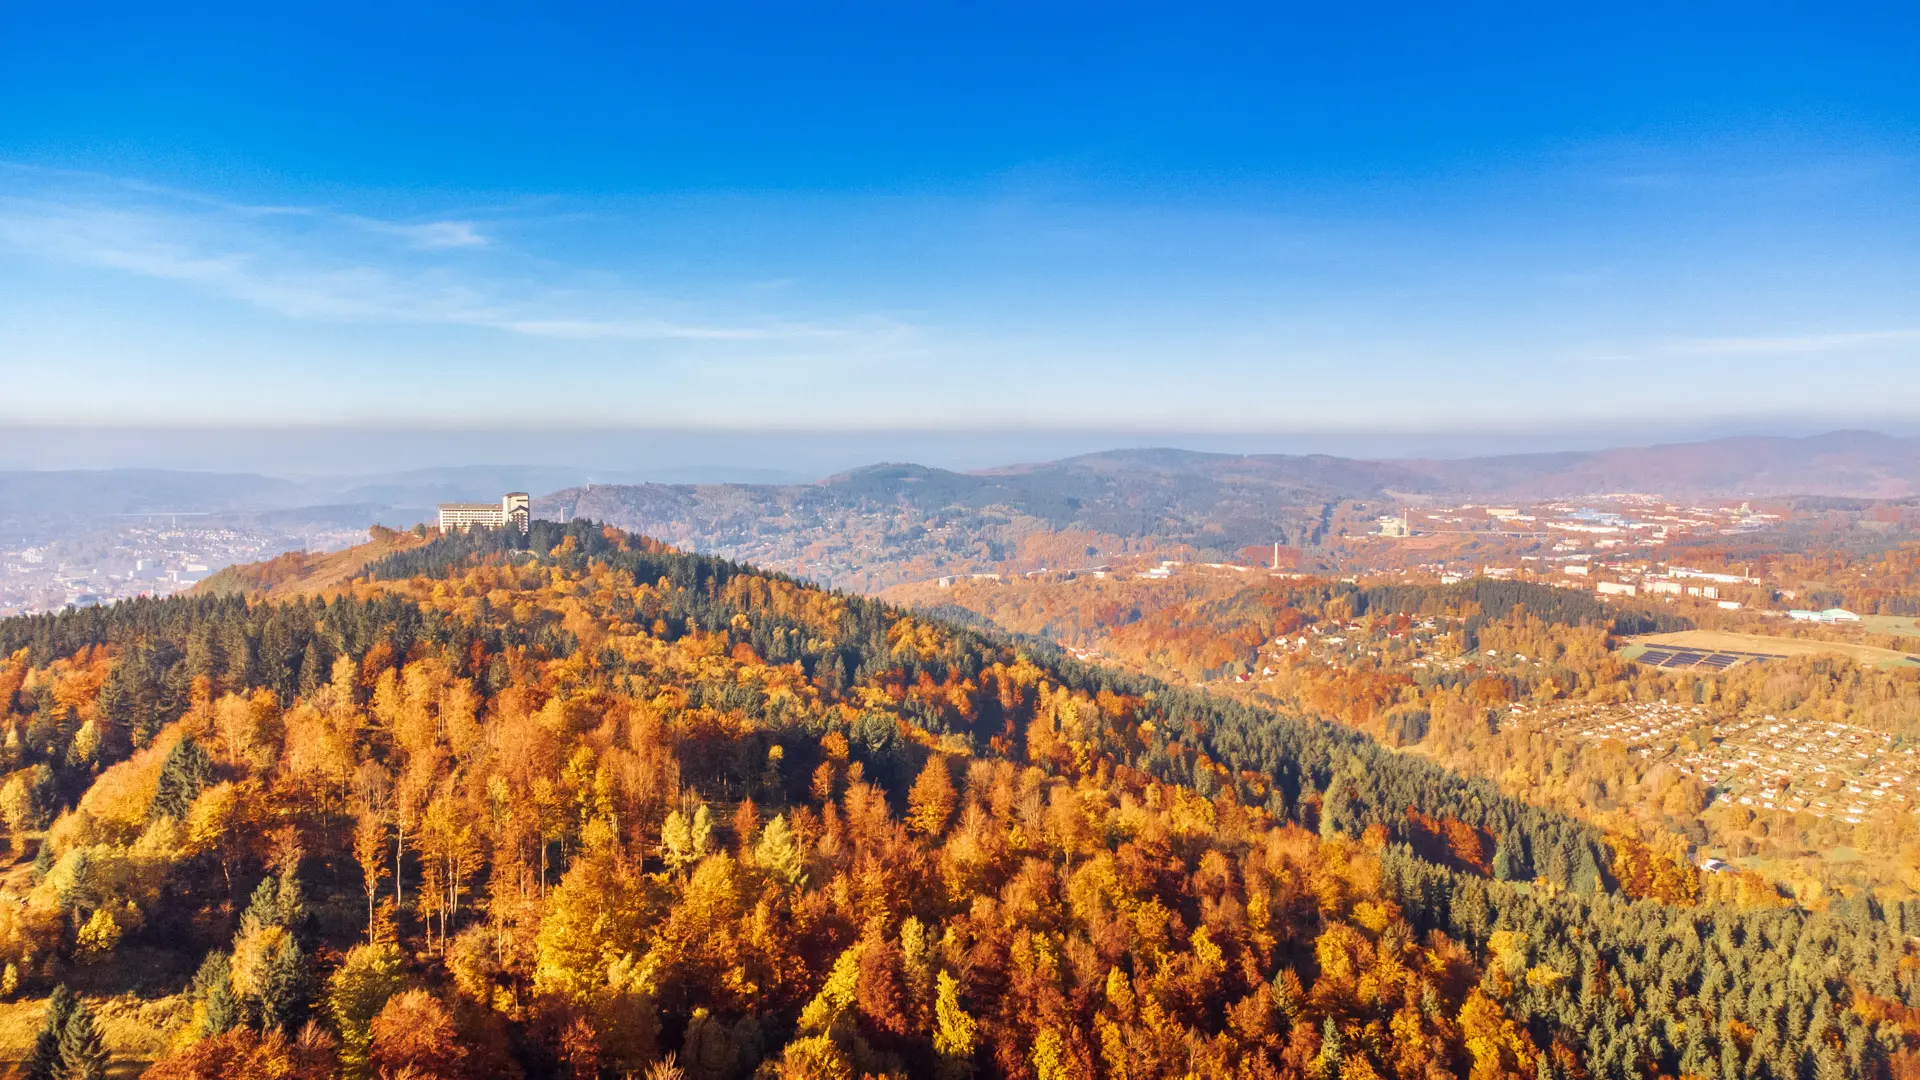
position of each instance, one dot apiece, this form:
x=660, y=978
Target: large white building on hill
x=514, y=508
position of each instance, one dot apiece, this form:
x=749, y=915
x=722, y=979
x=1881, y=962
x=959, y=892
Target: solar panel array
x=1676, y=658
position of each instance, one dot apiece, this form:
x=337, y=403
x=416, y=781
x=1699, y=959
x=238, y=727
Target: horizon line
x=1814, y=426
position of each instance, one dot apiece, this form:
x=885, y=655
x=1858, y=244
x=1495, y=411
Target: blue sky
x=1338, y=218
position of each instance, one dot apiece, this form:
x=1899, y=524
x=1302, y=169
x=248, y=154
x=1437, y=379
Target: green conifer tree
x=43, y=1062
x=1502, y=862
x=184, y=774
x=83, y=1053
x=1336, y=808
x=263, y=907
x=283, y=994
x=213, y=987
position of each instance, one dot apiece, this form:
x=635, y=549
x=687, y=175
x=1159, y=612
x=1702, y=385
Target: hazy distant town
x=148, y=557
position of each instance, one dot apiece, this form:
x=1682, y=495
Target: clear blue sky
x=1316, y=218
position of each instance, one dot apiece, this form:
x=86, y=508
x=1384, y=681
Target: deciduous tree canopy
x=573, y=804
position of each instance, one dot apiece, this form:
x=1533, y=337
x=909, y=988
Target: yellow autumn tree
x=930, y=802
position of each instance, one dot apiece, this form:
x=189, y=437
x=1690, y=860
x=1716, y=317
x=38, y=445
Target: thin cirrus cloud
x=431, y=235
x=311, y=263
x=1787, y=344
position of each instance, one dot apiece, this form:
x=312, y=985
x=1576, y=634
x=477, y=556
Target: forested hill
x=883, y=524
x=891, y=523
x=571, y=803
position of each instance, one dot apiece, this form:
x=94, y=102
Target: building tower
x=516, y=509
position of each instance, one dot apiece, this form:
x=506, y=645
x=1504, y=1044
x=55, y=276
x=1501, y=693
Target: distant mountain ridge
x=1845, y=464
x=1853, y=464
x=1172, y=493
x=37, y=500
x=879, y=525
x=909, y=511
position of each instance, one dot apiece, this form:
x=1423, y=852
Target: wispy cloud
x=1790, y=343
x=642, y=329
x=430, y=235
x=315, y=263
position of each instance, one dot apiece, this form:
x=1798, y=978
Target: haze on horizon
x=767, y=455
x=971, y=219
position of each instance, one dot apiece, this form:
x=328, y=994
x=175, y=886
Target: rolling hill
x=884, y=524
x=1854, y=464
x=574, y=804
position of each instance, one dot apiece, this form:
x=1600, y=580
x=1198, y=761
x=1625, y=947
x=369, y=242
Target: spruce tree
x=83, y=1053
x=263, y=907
x=116, y=707
x=1336, y=808
x=1587, y=878
x=186, y=772
x=213, y=986
x=283, y=992
x=1502, y=862
x=43, y=1062
x=223, y=1010
x=313, y=669
x=290, y=903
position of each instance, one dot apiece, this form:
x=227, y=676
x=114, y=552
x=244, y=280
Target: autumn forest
x=574, y=804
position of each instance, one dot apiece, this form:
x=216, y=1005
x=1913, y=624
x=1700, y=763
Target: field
x=134, y=1029
x=1891, y=624
x=1724, y=641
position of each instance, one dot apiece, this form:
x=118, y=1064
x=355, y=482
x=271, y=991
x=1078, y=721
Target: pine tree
x=283, y=991
x=263, y=907
x=204, y=658
x=1502, y=862
x=116, y=707
x=290, y=903
x=1587, y=878
x=83, y=1053
x=43, y=1063
x=1336, y=808
x=213, y=986
x=236, y=648
x=277, y=901
x=313, y=669
x=186, y=772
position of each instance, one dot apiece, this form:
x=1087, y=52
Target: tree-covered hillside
x=884, y=524
x=575, y=804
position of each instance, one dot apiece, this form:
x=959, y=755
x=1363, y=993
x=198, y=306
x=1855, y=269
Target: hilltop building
x=1395, y=526
x=514, y=508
